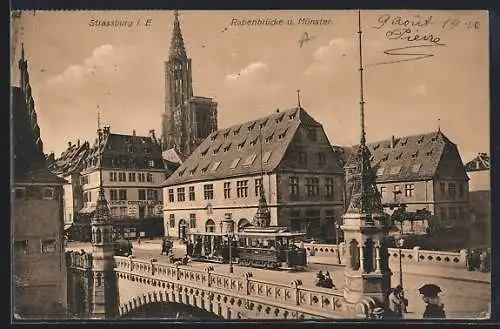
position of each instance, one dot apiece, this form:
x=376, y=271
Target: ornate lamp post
x=337, y=229
x=400, y=242
x=230, y=236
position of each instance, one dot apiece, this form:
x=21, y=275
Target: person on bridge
x=328, y=281
x=320, y=279
x=396, y=302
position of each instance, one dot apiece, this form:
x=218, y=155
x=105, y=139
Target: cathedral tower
x=187, y=120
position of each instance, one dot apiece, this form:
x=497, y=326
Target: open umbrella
x=429, y=290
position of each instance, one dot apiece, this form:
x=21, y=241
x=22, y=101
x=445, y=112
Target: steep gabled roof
x=407, y=158
x=29, y=160
x=71, y=160
x=236, y=150
x=481, y=162
x=125, y=151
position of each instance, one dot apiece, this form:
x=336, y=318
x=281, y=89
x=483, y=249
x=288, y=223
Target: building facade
x=188, y=119
x=423, y=172
x=478, y=170
x=68, y=166
x=132, y=172
x=288, y=153
x=39, y=268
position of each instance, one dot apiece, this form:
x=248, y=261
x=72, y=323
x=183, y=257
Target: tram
x=264, y=247
x=210, y=247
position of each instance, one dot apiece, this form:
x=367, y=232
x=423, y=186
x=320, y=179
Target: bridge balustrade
x=409, y=256
x=256, y=295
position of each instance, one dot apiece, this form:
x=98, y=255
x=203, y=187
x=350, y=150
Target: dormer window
x=372, y=158
x=416, y=168
x=282, y=135
x=385, y=157
x=404, y=142
x=399, y=156
x=249, y=160
x=263, y=123
x=214, y=136
x=251, y=126
x=252, y=143
x=380, y=171
x=182, y=172
x=269, y=138
x=429, y=152
x=204, y=169
x=235, y=163
x=414, y=155
x=204, y=152
x=292, y=116
x=240, y=145
x=236, y=132
x=395, y=170
x=420, y=140
x=216, y=150
x=227, y=147
x=266, y=156
x=216, y=165
x=376, y=146
x=192, y=171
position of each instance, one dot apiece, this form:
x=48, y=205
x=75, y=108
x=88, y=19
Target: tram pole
x=230, y=242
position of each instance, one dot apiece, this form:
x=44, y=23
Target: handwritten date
x=416, y=21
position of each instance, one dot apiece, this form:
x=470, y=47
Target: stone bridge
x=228, y=296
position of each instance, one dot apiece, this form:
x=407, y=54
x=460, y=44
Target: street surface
x=462, y=298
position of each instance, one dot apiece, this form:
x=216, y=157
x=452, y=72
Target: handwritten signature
x=407, y=55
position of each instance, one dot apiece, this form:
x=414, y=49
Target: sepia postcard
x=250, y=165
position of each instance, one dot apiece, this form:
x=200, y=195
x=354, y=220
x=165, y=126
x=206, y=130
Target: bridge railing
x=75, y=259
x=292, y=295
x=415, y=255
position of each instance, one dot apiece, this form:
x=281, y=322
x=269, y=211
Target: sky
x=77, y=70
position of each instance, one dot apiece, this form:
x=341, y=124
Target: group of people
x=434, y=308
x=477, y=260
x=166, y=246
x=324, y=280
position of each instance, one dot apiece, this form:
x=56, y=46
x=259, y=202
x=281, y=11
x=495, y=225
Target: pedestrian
x=139, y=241
x=434, y=308
x=164, y=249
x=482, y=262
x=396, y=302
x=320, y=279
x=328, y=281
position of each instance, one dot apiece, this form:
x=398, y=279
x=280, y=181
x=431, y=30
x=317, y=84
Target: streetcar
x=271, y=248
x=265, y=247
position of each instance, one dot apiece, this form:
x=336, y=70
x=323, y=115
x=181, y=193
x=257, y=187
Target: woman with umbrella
x=434, y=308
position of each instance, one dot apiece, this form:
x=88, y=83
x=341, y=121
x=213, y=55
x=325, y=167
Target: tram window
x=253, y=243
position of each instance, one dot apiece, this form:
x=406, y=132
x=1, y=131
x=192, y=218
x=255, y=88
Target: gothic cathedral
x=188, y=119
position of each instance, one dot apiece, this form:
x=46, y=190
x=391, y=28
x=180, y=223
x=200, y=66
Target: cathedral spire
x=177, y=48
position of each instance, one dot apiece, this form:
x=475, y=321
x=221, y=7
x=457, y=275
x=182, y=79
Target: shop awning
x=67, y=226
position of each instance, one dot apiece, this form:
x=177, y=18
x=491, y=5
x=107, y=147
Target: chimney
x=392, y=142
x=133, y=132
x=69, y=144
x=106, y=130
x=78, y=143
x=277, y=110
x=478, y=165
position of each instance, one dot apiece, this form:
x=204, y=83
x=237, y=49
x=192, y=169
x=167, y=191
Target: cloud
x=250, y=69
x=102, y=57
x=328, y=56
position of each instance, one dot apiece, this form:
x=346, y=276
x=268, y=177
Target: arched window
x=98, y=236
x=354, y=255
x=243, y=222
x=368, y=256
x=209, y=225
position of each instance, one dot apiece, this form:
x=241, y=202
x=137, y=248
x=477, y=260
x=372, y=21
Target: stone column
x=361, y=259
x=378, y=265
x=212, y=238
x=203, y=245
